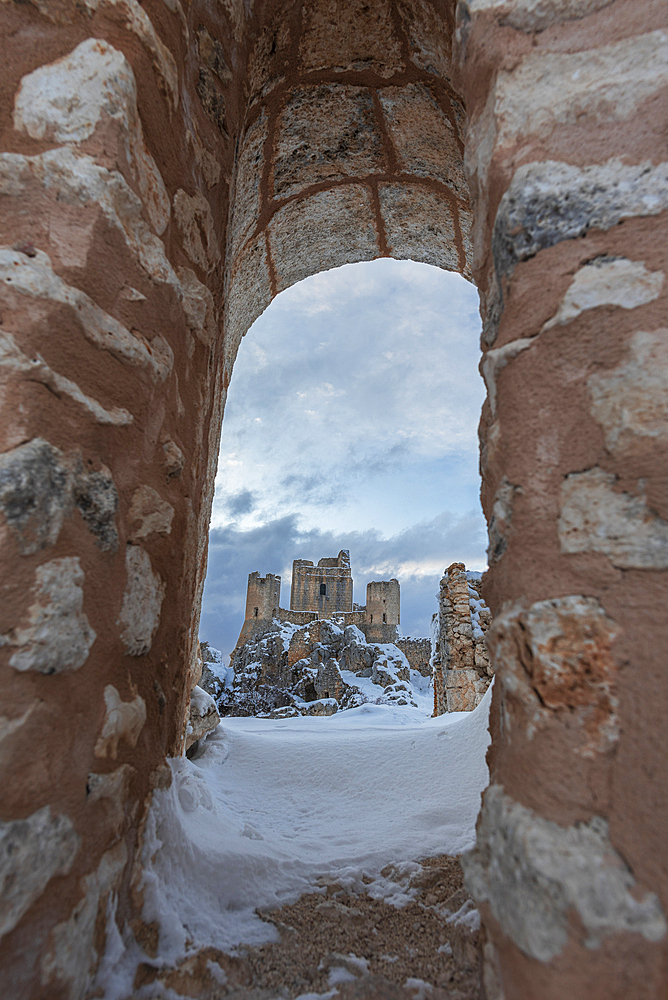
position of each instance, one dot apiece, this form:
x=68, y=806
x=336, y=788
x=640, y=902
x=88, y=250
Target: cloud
x=242, y=502
x=351, y=422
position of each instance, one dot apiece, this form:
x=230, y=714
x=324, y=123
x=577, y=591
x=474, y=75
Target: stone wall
x=461, y=668
x=382, y=602
x=217, y=153
x=327, y=587
x=417, y=652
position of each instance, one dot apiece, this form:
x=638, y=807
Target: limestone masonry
x=320, y=592
x=167, y=168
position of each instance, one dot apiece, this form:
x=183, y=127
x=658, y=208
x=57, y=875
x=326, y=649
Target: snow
x=270, y=809
x=201, y=701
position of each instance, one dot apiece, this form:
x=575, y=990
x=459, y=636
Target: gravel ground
x=344, y=946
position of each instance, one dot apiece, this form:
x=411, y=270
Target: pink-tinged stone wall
x=167, y=168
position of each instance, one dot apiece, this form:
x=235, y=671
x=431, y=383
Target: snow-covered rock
x=203, y=718
x=313, y=669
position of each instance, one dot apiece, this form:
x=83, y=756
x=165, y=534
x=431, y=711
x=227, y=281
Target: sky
x=351, y=423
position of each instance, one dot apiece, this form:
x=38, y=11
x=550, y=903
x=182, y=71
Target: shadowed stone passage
x=168, y=168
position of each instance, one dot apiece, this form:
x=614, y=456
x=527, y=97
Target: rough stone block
x=630, y=401
x=58, y=637
x=555, y=662
x=423, y=136
x=326, y=230
x=532, y=872
x=325, y=133
x=419, y=225
x=248, y=296
x=124, y=720
x=195, y=221
x=142, y=600
x=428, y=37
x=32, y=851
x=595, y=517
x=350, y=35
x=246, y=198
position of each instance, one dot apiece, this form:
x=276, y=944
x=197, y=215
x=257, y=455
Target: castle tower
x=382, y=602
x=325, y=588
x=263, y=596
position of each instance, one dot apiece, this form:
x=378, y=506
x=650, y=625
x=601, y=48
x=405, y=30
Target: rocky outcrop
x=461, y=667
x=313, y=669
x=203, y=716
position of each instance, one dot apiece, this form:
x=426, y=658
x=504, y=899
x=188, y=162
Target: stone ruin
x=460, y=660
x=290, y=662
x=168, y=167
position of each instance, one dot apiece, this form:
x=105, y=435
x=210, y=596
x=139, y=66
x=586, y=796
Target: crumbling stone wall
x=216, y=153
x=460, y=661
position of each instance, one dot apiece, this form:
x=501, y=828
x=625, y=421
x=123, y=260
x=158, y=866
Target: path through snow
x=272, y=806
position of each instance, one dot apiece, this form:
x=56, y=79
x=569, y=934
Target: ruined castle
x=324, y=592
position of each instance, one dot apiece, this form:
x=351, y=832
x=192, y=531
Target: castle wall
x=332, y=575
x=263, y=596
x=461, y=667
x=417, y=652
x=383, y=602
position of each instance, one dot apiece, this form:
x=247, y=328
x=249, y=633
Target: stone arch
x=136, y=249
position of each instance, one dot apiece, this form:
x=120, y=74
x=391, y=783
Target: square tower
x=326, y=588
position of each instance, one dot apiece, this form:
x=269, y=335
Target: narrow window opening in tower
x=256, y=612
x=384, y=617
x=351, y=423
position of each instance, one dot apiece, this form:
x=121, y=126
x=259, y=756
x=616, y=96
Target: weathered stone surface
x=58, y=637
x=124, y=720
x=104, y=83
x=630, y=401
x=72, y=955
x=39, y=486
x=460, y=662
x=12, y=359
x=594, y=517
x=344, y=35
x=203, y=716
x=35, y=493
x=326, y=230
x=548, y=202
x=75, y=179
x=153, y=513
x=212, y=65
x=246, y=203
x=198, y=305
x=608, y=281
x=423, y=136
x=536, y=15
x=249, y=294
x=532, y=872
x=34, y=277
x=556, y=659
x=96, y=499
x=326, y=133
x=502, y=515
x=111, y=790
x=134, y=18
x=195, y=221
x=428, y=37
x=32, y=851
x=419, y=225
x=142, y=600
x=548, y=90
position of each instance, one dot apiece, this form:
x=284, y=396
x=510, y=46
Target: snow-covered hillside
x=270, y=806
